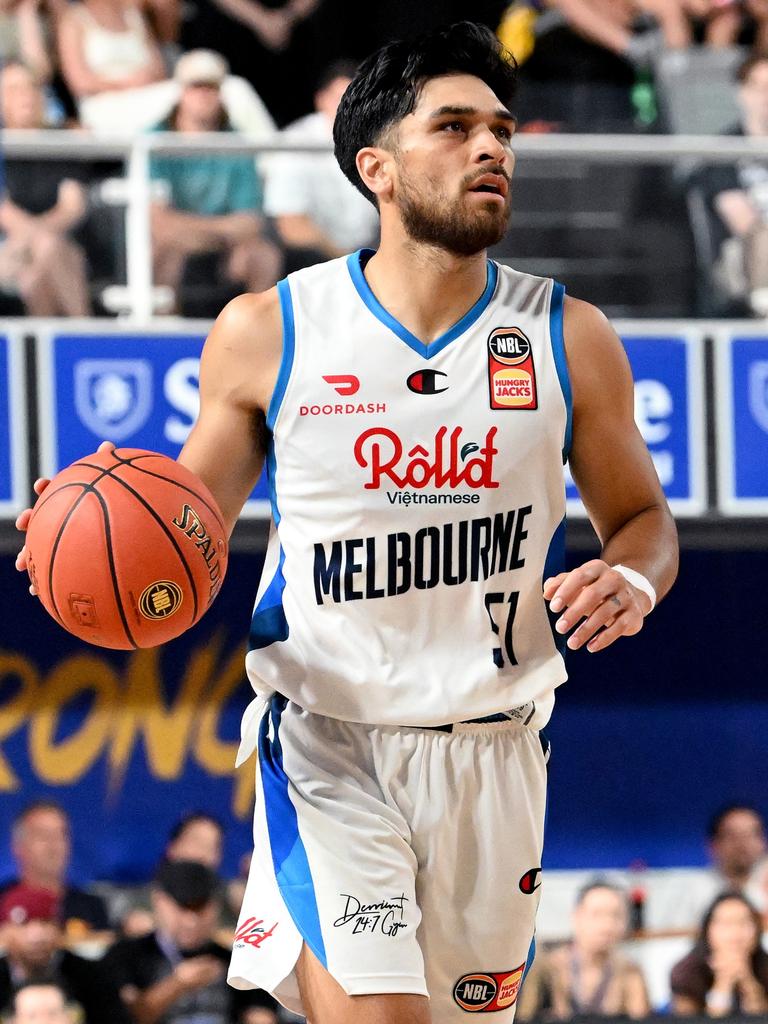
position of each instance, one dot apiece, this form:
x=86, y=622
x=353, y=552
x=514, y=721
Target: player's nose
x=490, y=146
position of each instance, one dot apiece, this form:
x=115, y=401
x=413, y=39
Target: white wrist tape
x=638, y=580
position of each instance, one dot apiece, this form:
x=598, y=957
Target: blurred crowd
x=158, y=953
x=223, y=222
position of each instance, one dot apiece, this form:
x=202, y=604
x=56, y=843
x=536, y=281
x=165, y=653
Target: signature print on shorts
x=382, y=916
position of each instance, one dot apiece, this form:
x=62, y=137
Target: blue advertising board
x=139, y=389
x=741, y=389
x=13, y=425
x=668, y=372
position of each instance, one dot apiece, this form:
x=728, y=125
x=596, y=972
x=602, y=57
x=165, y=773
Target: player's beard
x=430, y=217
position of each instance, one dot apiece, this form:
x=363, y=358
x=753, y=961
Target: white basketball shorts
x=407, y=859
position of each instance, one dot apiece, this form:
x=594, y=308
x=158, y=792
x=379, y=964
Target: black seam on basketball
x=59, y=487
x=157, y=476
x=59, y=535
x=112, y=570
x=170, y=537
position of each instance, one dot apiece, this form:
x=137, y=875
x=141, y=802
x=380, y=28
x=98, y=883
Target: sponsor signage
x=668, y=372
x=13, y=426
x=741, y=400
x=139, y=389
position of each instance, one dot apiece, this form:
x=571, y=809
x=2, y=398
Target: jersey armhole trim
x=561, y=364
x=289, y=347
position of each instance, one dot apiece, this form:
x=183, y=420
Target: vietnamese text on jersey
x=418, y=504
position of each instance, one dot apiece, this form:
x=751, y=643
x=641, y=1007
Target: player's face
x=454, y=161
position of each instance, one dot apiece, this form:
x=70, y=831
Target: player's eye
x=453, y=126
x=504, y=132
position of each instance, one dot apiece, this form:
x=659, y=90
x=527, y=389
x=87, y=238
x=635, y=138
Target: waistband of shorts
x=522, y=715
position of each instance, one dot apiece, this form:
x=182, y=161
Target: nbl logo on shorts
x=483, y=992
x=511, y=374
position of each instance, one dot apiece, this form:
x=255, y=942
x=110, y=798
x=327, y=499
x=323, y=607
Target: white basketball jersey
x=418, y=504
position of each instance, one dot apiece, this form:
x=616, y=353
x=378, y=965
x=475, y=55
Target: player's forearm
x=647, y=543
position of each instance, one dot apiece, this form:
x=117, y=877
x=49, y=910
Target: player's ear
x=376, y=168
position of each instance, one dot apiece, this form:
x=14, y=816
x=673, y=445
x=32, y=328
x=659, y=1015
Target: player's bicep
x=609, y=460
x=237, y=371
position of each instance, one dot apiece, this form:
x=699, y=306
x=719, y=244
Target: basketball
x=126, y=548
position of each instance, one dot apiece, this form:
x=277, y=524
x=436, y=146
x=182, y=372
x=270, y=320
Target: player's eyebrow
x=501, y=113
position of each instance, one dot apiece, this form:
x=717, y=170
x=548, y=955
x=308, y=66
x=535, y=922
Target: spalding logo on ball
x=126, y=548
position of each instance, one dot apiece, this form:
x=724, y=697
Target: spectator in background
x=212, y=203
x=41, y=846
x=318, y=214
x=106, y=46
x=32, y=937
x=41, y=1003
x=179, y=972
x=27, y=29
x=589, y=976
x=726, y=973
x=736, y=197
x=198, y=837
x=41, y=204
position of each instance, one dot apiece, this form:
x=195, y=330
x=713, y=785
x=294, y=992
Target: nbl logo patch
x=511, y=373
x=489, y=992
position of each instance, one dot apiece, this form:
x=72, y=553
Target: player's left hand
x=594, y=592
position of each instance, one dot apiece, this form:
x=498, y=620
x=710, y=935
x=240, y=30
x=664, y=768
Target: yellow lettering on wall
x=166, y=730
x=65, y=761
x=15, y=712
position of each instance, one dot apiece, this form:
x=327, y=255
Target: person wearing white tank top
x=414, y=407
x=106, y=45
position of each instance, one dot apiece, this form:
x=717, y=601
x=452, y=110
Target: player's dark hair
x=192, y=819
x=387, y=85
x=599, y=883
x=716, y=821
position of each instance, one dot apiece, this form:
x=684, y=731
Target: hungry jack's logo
x=511, y=373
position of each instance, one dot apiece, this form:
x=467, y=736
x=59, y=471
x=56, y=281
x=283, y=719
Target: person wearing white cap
x=212, y=201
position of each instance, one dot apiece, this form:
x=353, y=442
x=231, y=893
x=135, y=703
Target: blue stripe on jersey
x=268, y=622
x=561, y=364
x=528, y=962
x=289, y=856
x=554, y=564
x=357, y=260
x=286, y=361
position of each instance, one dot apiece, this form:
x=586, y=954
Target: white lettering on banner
x=758, y=393
x=653, y=403
x=653, y=407
x=182, y=389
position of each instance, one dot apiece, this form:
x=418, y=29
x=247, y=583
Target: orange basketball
x=127, y=548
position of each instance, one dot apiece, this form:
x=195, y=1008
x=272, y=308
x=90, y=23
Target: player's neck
x=426, y=288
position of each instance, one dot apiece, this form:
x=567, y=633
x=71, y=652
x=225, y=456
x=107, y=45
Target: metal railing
x=77, y=145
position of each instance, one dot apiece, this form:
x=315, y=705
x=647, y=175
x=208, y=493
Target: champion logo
x=427, y=382
x=530, y=881
x=344, y=383
x=252, y=932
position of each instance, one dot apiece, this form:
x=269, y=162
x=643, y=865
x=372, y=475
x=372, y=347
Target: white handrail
x=78, y=145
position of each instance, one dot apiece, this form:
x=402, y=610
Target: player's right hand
x=22, y=521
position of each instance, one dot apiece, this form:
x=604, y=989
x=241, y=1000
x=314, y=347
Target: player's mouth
x=491, y=185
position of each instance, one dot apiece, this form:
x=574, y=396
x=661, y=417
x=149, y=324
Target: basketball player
x=414, y=407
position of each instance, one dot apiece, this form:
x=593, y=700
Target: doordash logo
x=343, y=384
